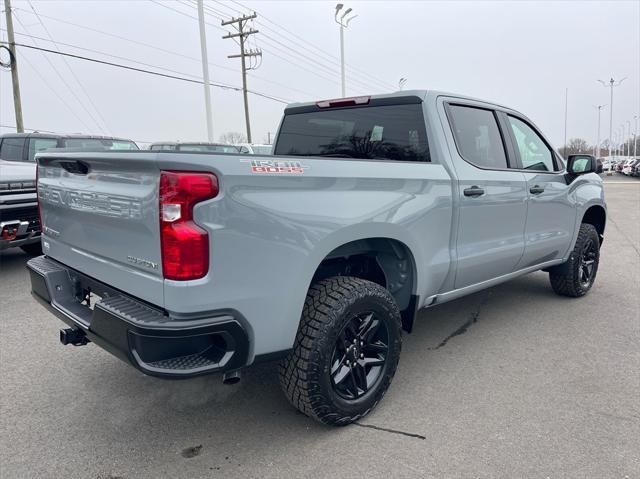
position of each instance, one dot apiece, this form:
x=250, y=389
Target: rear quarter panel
x=269, y=232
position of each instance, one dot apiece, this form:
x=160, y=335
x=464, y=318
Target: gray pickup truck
x=370, y=209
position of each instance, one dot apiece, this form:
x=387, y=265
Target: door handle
x=473, y=191
x=536, y=190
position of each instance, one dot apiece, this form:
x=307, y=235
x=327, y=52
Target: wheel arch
x=597, y=216
x=386, y=261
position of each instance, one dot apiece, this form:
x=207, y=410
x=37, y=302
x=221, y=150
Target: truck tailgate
x=100, y=216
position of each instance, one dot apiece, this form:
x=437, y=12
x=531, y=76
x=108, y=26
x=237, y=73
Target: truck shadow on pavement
x=121, y=401
x=114, y=406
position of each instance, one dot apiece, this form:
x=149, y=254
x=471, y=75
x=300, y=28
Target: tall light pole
x=599, y=107
x=566, y=107
x=628, y=138
x=635, y=138
x=205, y=71
x=611, y=84
x=344, y=23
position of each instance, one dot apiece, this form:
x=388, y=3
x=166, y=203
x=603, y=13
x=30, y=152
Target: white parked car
x=626, y=167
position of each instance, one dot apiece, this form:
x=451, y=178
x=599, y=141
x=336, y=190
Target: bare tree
x=576, y=146
x=233, y=138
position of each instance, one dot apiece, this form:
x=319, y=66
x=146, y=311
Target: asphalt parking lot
x=510, y=382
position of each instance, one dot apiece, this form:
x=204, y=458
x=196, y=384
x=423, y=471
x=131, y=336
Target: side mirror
x=582, y=164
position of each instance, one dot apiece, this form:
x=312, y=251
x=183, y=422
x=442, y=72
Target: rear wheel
x=346, y=350
x=576, y=277
x=33, y=249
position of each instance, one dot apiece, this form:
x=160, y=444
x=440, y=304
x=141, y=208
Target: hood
x=17, y=171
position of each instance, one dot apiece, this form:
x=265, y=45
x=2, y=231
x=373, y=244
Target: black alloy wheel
x=359, y=356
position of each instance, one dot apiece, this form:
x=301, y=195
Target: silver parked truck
x=318, y=256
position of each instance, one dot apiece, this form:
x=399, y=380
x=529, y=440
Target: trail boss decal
x=276, y=166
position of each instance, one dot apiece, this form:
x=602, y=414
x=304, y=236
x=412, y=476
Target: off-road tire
x=566, y=278
x=305, y=373
x=33, y=249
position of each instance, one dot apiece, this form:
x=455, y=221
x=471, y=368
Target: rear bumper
x=136, y=332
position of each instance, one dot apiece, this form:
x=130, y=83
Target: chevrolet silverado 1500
x=369, y=209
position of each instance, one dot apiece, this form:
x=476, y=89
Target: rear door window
x=11, y=148
x=388, y=132
x=477, y=136
x=39, y=144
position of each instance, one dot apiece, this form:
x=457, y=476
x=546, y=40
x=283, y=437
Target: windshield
x=393, y=132
x=207, y=148
x=99, y=144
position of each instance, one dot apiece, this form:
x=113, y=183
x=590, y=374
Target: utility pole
x=597, y=152
x=240, y=24
x=205, y=71
x=344, y=23
x=17, y=104
x=611, y=84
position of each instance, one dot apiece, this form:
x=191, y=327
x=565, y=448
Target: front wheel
x=346, y=350
x=576, y=277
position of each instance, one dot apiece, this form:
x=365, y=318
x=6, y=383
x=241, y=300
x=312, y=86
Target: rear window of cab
x=389, y=132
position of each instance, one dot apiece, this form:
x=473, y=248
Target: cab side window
x=478, y=137
x=39, y=144
x=11, y=149
x=534, y=152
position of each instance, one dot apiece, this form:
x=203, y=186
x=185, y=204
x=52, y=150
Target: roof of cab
x=404, y=94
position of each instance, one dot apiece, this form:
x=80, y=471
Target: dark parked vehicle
x=203, y=147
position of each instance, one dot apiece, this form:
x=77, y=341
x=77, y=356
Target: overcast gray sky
x=521, y=54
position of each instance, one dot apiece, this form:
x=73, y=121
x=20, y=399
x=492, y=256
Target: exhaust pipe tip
x=232, y=377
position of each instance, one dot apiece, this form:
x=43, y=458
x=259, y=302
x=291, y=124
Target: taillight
x=185, y=245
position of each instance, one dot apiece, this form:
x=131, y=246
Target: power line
x=64, y=82
x=46, y=83
x=153, y=47
x=119, y=37
x=108, y=55
x=313, y=62
x=331, y=58
x=141, y=70
x=185, y=14
x=308, y=60
x=30, y=129
x=70, y=69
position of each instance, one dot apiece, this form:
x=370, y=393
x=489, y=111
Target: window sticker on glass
x=376, y=133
